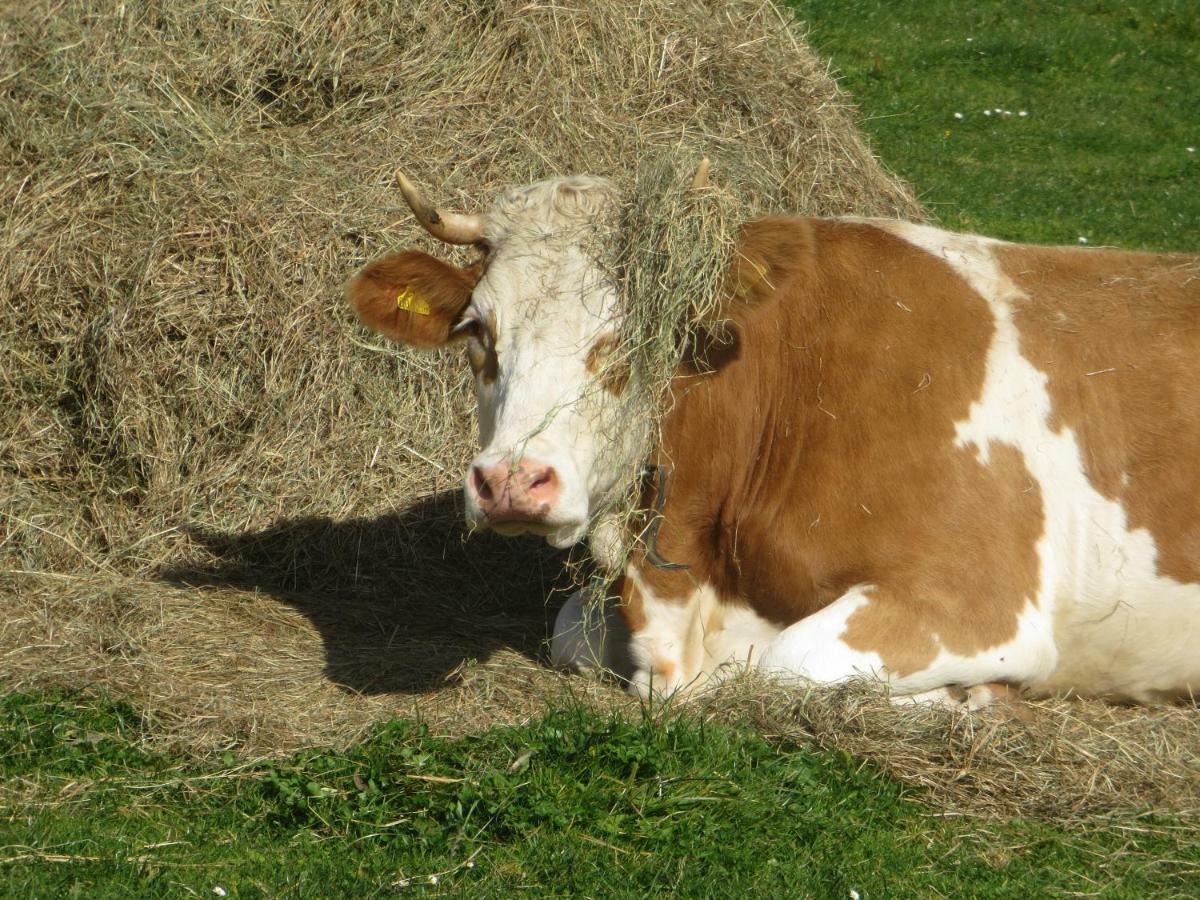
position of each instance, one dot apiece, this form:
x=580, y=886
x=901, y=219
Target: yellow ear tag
x=410, y=302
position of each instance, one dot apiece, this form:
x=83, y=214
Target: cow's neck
x=730, y=429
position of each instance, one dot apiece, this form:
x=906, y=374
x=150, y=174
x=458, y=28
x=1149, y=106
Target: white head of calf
x=537, y=315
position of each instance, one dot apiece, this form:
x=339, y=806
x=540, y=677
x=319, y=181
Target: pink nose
x=514, y=492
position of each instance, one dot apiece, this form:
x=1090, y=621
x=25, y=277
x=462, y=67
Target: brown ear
x=770, y=251
x=412, y=297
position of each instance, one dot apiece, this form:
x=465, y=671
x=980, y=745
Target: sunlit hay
x=1065, y=760
x=220, y=496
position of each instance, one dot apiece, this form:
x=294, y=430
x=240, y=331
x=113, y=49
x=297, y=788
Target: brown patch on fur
x=613, y=376
x=444, y=289
x=906, y=643
x=771, y=250
x=632, y=609
x=1118, y=336
x=823, y=456
x=962, y=604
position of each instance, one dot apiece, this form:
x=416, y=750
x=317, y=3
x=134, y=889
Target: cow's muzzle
x=514, y=495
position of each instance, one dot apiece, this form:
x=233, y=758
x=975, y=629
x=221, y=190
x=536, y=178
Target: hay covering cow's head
x=538, y=316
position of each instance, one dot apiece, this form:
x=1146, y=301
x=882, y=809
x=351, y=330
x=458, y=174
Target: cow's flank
x=1117, y=336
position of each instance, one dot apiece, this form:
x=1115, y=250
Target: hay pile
x=190, y=404
x=218, y=496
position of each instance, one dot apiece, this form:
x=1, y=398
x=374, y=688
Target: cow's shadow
x=401, y=600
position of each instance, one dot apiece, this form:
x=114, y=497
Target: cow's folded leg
x=949, y=697
x=814, y=649
x=656, y=643
x=667, y=651
x=874, y=633
x=971, y=699
x=666, y=642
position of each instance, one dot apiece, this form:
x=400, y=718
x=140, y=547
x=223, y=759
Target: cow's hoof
x=971, y=699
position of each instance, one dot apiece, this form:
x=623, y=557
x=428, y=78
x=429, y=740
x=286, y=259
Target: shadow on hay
x=401, y=600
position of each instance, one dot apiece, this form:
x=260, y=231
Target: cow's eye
x=482, y=357
x=467, y=327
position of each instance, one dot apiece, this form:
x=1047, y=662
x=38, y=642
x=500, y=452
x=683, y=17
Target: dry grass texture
x=1063, y=760
x=220, y=497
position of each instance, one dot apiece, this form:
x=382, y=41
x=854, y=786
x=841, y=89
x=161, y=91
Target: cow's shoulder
x=785, y=255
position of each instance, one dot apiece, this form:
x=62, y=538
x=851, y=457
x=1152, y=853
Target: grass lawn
x=1111, y=97
x=573, y=804
x=577, y=804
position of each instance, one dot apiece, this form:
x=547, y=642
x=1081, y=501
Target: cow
x=946, y=462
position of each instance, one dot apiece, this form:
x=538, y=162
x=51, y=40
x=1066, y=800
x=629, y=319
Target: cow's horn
x=700, y=179
x=451, y=227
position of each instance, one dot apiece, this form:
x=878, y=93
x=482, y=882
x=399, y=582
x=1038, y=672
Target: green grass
x=574, y=804
x=1112, y=92
x=580, y=805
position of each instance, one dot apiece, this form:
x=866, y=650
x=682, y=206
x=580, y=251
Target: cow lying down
x=937, y=459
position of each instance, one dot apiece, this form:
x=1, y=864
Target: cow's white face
x=538, y=316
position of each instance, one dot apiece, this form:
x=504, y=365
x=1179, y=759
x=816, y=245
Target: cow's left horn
x=700, y=179
x=451, y=227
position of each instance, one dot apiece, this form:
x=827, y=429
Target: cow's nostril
x=483, y=490
x=543, y=480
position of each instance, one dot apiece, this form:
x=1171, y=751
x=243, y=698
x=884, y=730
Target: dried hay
x=219, y=497
x=190, y=185
x=1068, y=761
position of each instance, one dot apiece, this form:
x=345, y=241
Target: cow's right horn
x=451, y=227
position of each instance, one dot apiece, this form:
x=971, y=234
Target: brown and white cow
x=937, y=459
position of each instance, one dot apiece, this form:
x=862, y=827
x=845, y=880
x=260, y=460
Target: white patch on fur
x=813, y=650
x=688, y=642
x=1106, y=622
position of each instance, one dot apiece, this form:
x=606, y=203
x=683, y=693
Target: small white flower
x=1082, y=239
x=960, y=115
x=987, y=112
x=1022, y=113
x=470, y=863
x=220, y=891
x=854, y=894
x=997, y=110
x=970, y=39
x=1190, y=149
x=433, y=879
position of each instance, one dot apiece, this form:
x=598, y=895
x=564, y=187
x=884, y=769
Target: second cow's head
x=537, y=315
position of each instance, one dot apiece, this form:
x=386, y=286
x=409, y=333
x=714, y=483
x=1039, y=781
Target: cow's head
x=537, y=316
